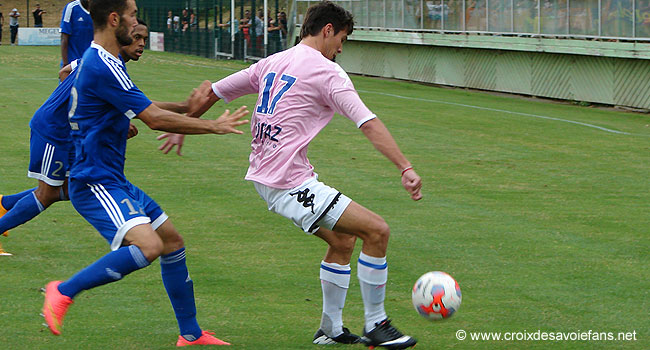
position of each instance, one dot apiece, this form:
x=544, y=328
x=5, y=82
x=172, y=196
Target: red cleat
x=55, y=307
x=205, y=339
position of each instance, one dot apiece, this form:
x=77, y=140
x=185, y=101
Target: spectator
x=226, y=38
x=170, y=21
x=194, y=23
x=282, y=24
x=244, y=25
x=274, y=35
x=38, y=16
x=13, y=25
x=258, y=28
x=177, y=23
x=2, y=23
x=185, y=20
x=226, y=26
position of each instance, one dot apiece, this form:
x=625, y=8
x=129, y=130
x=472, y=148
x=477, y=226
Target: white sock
x=373, y=274
x=335, y=280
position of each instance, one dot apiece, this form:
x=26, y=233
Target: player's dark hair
x=142, y=22
x=319, y=15
x=100, y=9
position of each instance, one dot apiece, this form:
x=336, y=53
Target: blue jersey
x=76, y=22
x=103, y=102
x=50, y=121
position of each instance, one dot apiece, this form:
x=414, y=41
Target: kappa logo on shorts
x=305, y=198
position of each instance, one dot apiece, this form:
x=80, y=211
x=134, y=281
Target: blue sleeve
x=66, y=22
x=123, y=94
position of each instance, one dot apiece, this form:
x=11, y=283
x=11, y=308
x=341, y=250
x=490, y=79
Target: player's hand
x=172, y=140
x=64, y=72
x=227, y=122
x=132, y=131
x=413, y=184
x=198, y=99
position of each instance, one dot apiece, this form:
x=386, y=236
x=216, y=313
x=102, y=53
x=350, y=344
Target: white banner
x=156, y=41
x=39, y=36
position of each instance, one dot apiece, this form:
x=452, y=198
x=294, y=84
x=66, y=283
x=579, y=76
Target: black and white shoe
x=320, y=338
x=387, y=336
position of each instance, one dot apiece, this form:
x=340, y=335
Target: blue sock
x=8, y=201
x=180, y=289
x=109, y=268
x=24, y=210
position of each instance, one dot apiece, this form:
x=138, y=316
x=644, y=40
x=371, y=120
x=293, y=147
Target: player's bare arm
x=171, y=140
x=64, y=72
x=194, y=105
x=201, y=99
x=64, y=48
x=133, y=131
x=160, y=119
x=205, y=100
x=384, y=142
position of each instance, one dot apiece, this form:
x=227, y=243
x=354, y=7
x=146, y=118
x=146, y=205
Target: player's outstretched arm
x=195, y=105
x=384, y=142
x=160, y=119
x=171, y=141
x=201, y=99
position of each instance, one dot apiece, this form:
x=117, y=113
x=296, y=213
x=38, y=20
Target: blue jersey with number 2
x=103, y=102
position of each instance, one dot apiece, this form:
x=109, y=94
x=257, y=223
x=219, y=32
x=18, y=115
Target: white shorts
x=310, y=205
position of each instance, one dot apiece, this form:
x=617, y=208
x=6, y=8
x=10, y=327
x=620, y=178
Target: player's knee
x=47, y=194
x=151, y=249
x=379, y=233
x=173, y=243
x=344, y=245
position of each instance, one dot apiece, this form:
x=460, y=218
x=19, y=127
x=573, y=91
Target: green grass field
x=544, y=222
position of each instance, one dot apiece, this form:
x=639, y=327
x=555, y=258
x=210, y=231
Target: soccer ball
x=436, y=295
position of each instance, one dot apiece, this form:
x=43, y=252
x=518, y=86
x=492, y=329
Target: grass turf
x=543, y=222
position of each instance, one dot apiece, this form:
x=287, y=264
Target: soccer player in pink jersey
x=299, y=91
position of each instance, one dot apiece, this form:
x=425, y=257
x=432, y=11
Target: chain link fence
x=252, y=29
x=582, y=19
x=217, y=28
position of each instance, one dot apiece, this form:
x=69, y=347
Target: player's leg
x=112, y=267
x=335, y=280
x=175, y=275
x=8, y=201
x=116, y=215
x=315, y=207
x=49, y=164
x=180, y=288
x=32, y=205
x=145, y=246
x=372, y=271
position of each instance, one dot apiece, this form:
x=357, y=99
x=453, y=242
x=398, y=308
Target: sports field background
x=539, y=209
x=51, y=19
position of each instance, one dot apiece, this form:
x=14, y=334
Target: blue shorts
x=113, y=209
x=49, y=162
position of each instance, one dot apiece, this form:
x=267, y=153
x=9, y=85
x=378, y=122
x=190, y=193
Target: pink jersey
x=299, y=91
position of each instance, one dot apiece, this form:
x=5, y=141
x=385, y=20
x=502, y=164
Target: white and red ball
x=436, y=295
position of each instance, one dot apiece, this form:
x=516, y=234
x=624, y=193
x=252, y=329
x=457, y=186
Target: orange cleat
x=4, y=252
x=205, y=339
x=55, y=307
